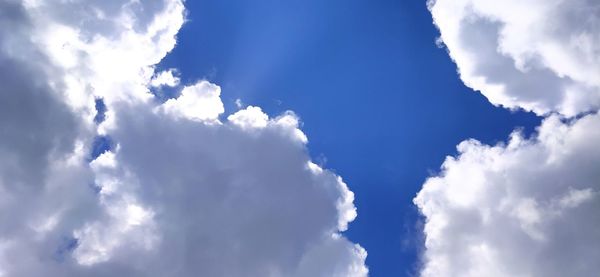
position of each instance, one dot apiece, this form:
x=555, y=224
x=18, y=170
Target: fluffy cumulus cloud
x=528, y=207
x=184, y=191
x=539, y=55
x=196, y=195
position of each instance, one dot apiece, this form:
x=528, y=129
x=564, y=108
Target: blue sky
x=381, y=104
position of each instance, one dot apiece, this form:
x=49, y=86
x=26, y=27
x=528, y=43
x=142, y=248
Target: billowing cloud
x=538, y=55
x=182, y=192
x=527, y=208
x=220, y=198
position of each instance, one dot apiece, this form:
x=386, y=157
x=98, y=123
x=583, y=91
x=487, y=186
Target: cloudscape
x=302, y=138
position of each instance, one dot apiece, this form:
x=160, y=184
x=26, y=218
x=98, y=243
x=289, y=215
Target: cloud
x=527, y=208
x=542, y=56
x=199, y=102
x=165, y=78
x=225, y=199
x=44, y=179
x=182, y=192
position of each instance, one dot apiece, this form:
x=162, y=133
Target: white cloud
x=528, y=208
x=198, y=102
x=106, y=49
x=539, y=55
x=250, y=117
x=164, y=78
x=181, y=193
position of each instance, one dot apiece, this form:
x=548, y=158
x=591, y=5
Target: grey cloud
x=176, y=196
x=229, y=201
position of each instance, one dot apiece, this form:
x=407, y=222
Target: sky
x=381, y=104
x=299, y=138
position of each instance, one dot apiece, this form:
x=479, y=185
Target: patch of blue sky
x=381, y=104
